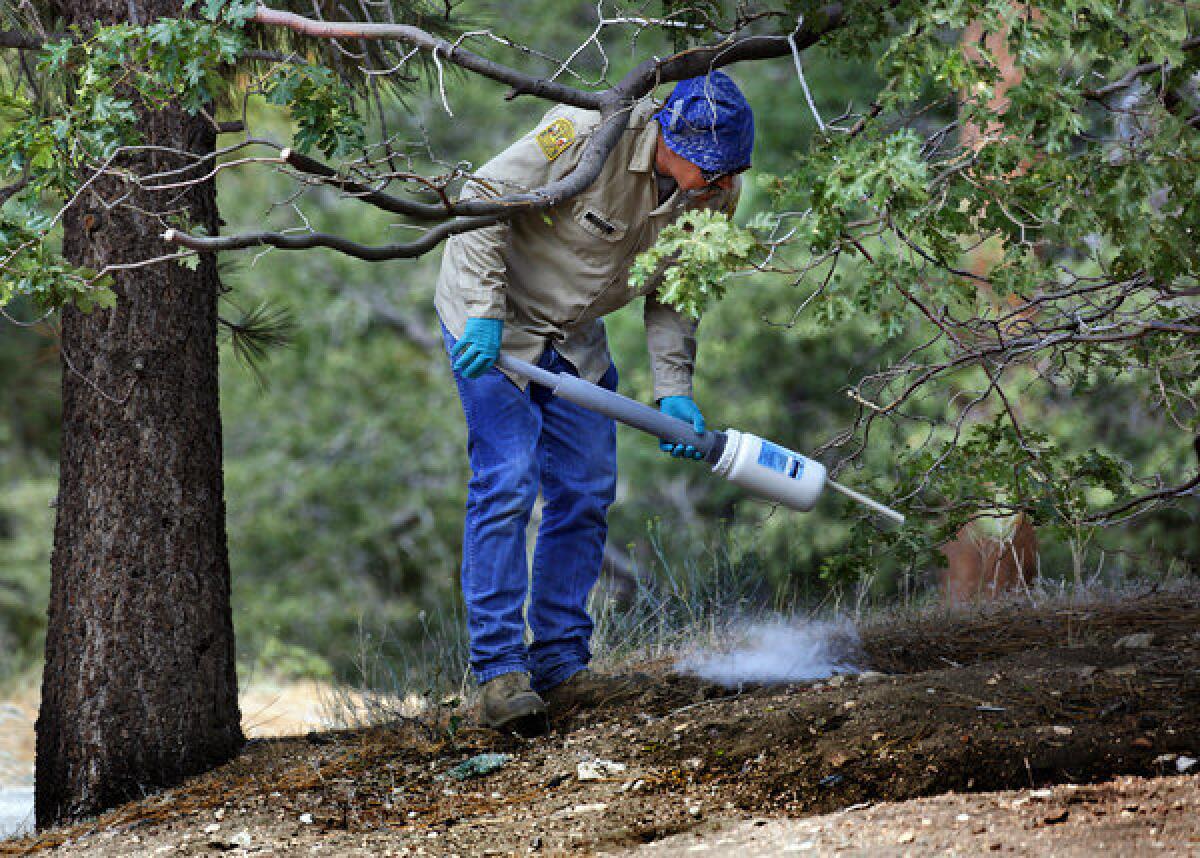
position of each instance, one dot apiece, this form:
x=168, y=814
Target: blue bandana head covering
x=707, y=121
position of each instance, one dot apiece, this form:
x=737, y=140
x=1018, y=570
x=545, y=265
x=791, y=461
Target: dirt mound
x=987, y=701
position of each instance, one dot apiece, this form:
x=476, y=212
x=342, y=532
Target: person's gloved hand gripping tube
x=682, y=408
x=479, y=346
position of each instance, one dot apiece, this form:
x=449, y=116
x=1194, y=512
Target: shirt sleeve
x=671, y=339
x=547, y=153
x=670, y=335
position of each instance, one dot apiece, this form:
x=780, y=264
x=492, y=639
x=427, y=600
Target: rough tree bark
x=139, y=688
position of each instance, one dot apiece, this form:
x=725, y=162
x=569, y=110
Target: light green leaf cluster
x=692, y=257
x=34, y=270
x=53, y=141
x=321, y=105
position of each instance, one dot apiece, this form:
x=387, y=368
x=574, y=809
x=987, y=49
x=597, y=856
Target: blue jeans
x=517, y=442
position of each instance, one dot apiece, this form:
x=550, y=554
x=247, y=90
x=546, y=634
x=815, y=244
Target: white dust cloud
x=779, y=651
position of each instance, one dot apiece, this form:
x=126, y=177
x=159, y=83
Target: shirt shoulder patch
x=554, y=139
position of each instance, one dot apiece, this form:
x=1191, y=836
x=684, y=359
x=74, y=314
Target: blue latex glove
x=685, y=409
x=478, y=347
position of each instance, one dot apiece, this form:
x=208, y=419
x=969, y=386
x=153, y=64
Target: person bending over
x=537, y=287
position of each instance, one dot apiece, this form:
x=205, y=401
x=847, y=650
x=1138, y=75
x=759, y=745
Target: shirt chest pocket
x=598, y=224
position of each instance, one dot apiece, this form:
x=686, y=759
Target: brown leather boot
x=587, y=688
x=508, y=703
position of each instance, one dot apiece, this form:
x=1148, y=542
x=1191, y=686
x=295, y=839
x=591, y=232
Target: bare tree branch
x=304, y=241
x=419, y=38
x=380, y=199
x=634, y=85
x=1136, y=73
x=1169, y=493
x=603, y=140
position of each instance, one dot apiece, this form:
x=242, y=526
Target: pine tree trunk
x=139, y=688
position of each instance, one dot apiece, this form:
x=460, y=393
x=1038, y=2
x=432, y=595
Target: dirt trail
x=999, y=700
x=1128, y=816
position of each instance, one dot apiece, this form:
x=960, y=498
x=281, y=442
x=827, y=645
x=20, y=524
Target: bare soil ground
x=1127, y=816
x=1004, y=699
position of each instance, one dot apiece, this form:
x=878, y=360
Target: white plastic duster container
x=770, y=471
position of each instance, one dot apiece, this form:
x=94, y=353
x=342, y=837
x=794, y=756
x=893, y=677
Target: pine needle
x=257, y=333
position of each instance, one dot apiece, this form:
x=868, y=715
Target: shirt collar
x=646, y=142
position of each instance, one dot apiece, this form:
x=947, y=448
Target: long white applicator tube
x=866, y=501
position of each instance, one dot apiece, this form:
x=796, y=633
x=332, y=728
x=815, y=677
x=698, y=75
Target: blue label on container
x=778, y=459
x=775, y=458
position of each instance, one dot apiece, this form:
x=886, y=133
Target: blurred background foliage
x=345, y=461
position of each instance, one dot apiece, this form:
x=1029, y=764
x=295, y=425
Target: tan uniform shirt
x=552, y=274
